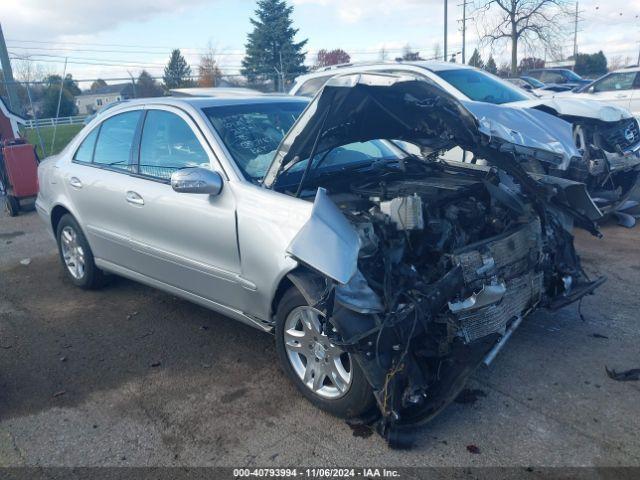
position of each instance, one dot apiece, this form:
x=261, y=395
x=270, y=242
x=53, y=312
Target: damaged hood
x=367, y=106
x=571, y=105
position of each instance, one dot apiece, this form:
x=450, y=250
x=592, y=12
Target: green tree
x=146, y=86
x=69, y=83
x=491, y=66
x=591, y=64
x=476, y=59
x=177, y=73
x=50, y=102
x=272, y=52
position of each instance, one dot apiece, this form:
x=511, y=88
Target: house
x=91, y=101
x=9, y=122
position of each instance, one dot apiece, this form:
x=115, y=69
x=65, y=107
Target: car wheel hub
x=323, y=367
x=72, y=252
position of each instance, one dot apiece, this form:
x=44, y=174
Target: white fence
x=50, y=122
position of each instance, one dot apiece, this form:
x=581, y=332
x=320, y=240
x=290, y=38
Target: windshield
x=482, y=87
x=571, y=75
x=253, y=132
x=533, y=82
x=345, y=157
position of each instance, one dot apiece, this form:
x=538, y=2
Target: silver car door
x=185, y=240
x=95, y=183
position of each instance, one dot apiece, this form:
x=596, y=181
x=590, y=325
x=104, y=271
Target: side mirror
x=197, y=180
x=528, y=87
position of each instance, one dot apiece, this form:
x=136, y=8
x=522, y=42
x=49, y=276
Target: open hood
x=568, y=104
x=368, y=106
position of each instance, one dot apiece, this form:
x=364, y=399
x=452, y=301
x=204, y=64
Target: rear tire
x=342, y=388
x=11, y=205
x=76, y=255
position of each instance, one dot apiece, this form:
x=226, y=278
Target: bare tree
x=531, y=22
x=382, y=55
x=208, y=71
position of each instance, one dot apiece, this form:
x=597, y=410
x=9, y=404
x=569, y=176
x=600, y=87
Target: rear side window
x=115, y=139
x=311, y=87
x=85, y=152
x=168, y=144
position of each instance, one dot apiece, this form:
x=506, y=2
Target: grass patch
x=64, y=134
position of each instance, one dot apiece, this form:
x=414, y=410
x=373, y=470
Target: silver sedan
x=386, y=276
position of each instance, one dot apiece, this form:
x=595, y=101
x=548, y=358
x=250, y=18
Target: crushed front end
x=423, y=268
x=449, y=261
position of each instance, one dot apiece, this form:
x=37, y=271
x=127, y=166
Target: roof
x=206, y=102
x=633, y=68
x=214, y=92
x=107, y=89
x=432, y=65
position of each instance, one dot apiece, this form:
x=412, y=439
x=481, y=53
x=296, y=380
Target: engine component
x=405, y=212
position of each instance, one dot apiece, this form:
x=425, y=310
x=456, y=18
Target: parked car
x=536, y=87
x=608, y=136
x=558, y=76
x=621, y=88
x=385, y=277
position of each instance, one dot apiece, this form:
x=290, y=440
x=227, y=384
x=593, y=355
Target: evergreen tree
x=146, y=86
x=272, y=53
x=476, y=59
x=177, y=71
x=491, y=66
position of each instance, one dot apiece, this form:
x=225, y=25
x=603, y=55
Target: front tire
x=322, y=372
x=76, y=255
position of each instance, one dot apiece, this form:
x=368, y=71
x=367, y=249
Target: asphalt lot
x=132, y=376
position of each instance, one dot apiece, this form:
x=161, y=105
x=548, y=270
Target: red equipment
x=18, y=174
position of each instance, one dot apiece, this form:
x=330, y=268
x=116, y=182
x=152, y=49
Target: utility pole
x=464, y=29
x=575, y=34
x=133, y=84
x=576, y=20
x=14, y=101
x=445, y=30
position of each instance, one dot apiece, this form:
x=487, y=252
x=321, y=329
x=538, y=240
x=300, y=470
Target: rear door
x=95, y=182
x=185, y=240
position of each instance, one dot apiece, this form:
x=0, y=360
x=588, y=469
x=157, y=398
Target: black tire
x=92, y=277
x=358, y=399
x=11, y=205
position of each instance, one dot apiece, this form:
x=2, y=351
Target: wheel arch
x=309, y=283
x=57, y=212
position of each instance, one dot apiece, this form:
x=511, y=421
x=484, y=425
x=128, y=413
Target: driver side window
x=168, y=144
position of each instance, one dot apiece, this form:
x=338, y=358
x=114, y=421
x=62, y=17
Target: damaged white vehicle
x=387, y=278
x=607, y=135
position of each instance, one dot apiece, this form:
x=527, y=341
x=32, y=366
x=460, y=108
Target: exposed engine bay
x=450, y=259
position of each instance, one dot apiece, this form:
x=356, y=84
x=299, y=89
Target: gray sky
x=109, y=38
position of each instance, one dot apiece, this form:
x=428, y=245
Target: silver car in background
x=385, y=277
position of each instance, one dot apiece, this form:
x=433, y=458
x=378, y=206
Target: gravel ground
x=132, y=376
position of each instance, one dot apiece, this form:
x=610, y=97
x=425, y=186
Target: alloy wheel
x=323, y=367
x=72, y=252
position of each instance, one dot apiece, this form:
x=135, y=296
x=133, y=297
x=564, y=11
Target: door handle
x=621, y=95
x=134, y=198
x=75, y=182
